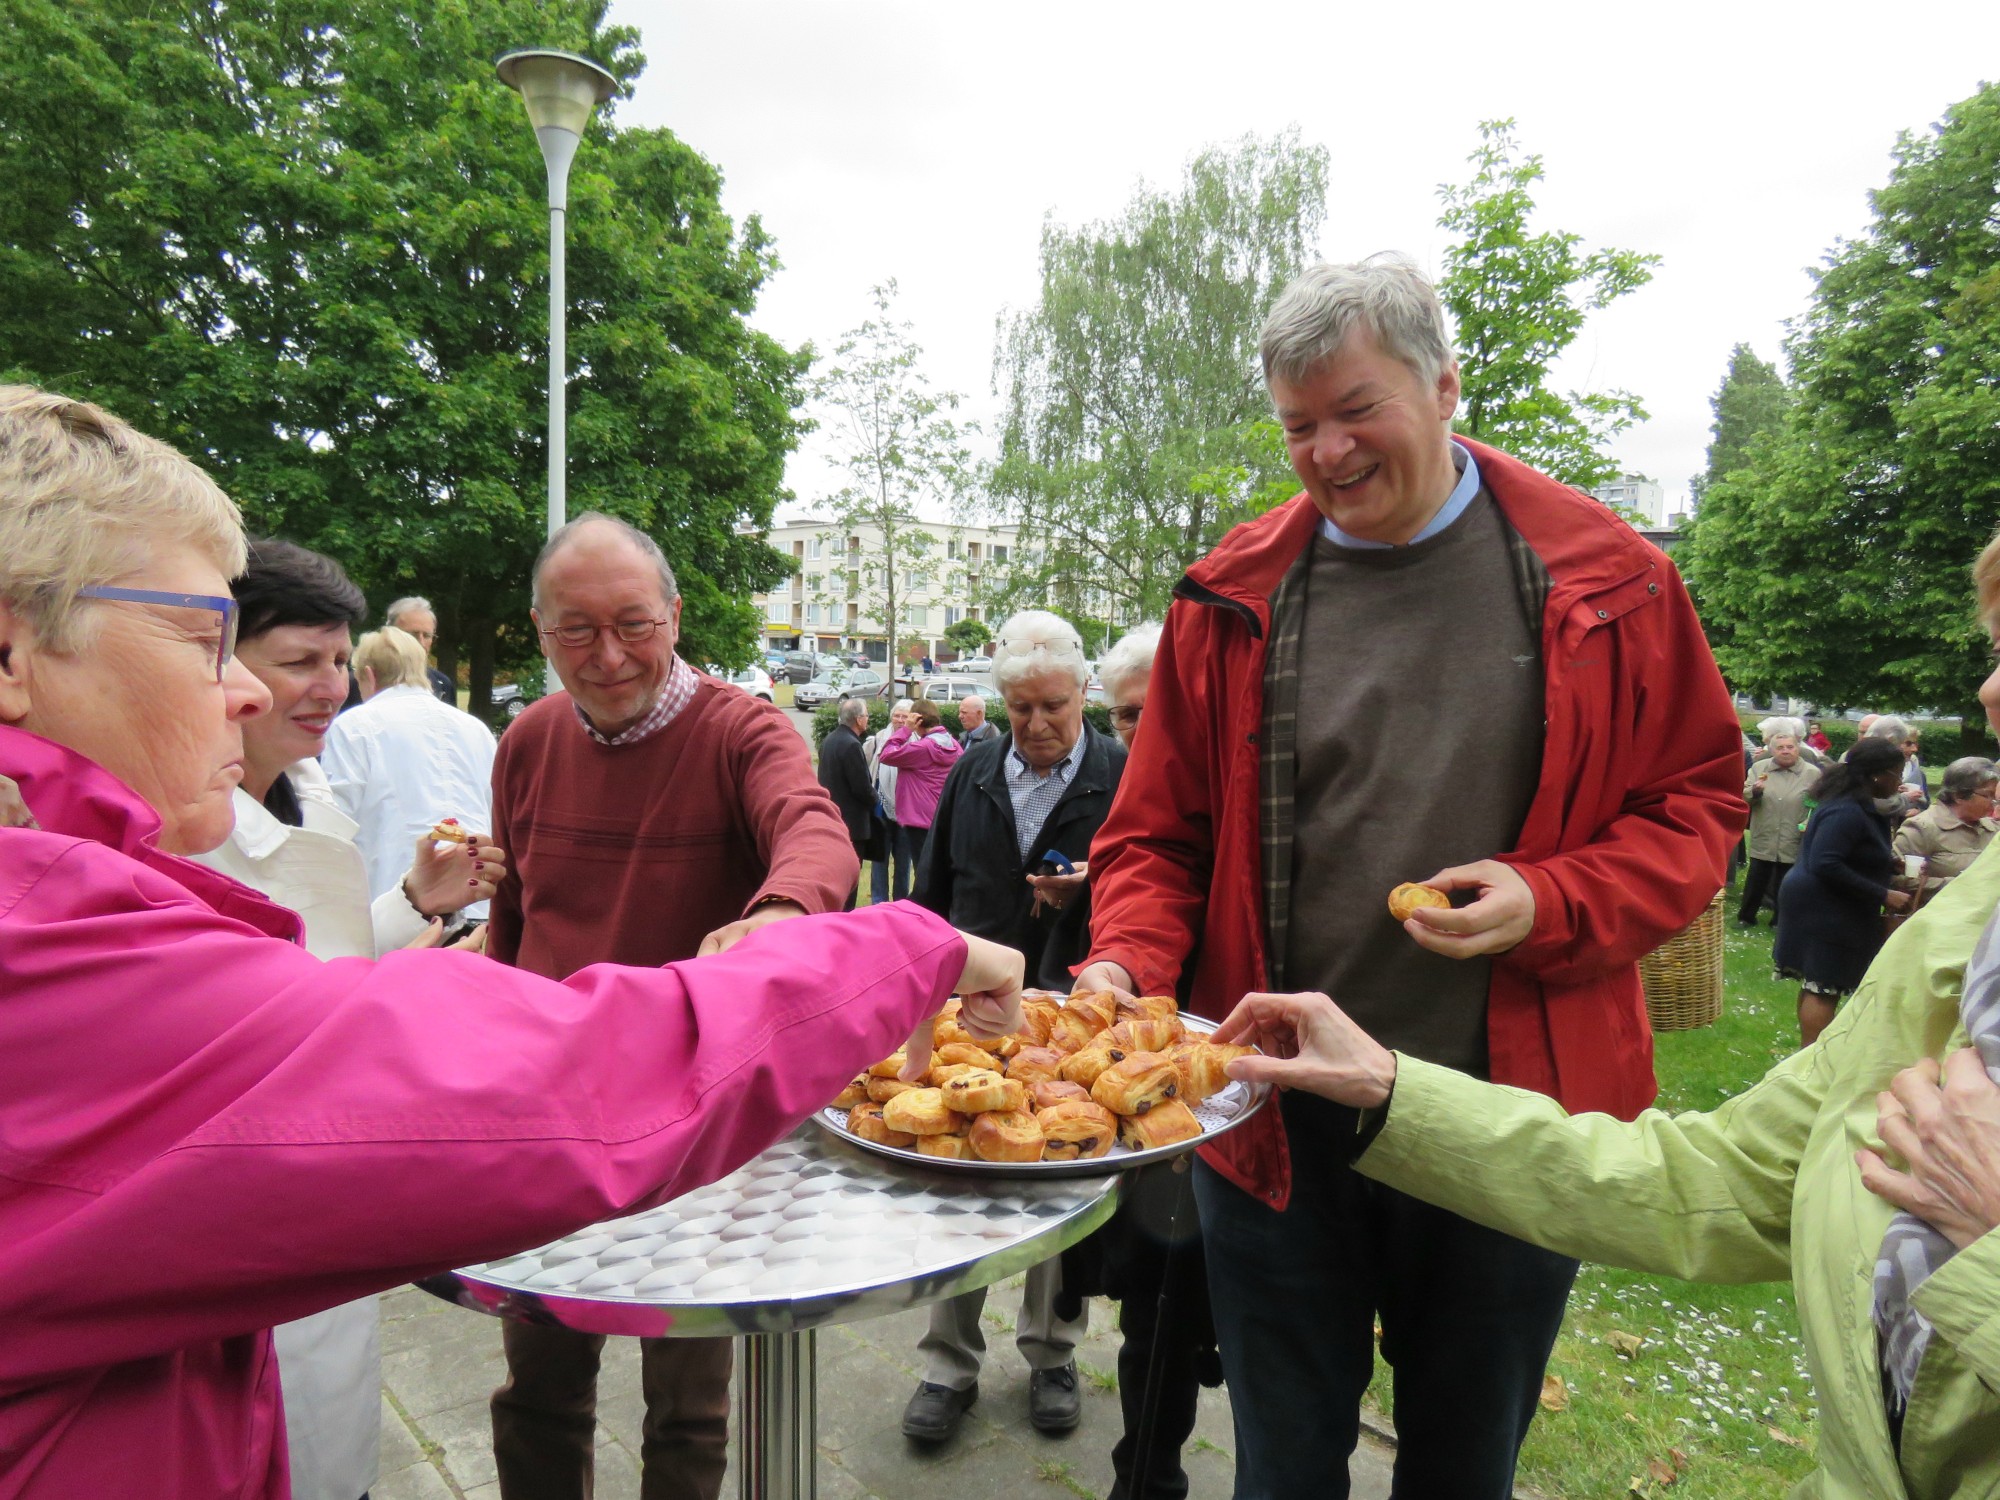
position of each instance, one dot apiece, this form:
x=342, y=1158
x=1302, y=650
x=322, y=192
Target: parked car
x=774, y=662
x=802, y=666
x=508, y=700
x=835, y=682
x=971, y=664
x=938, y=689
x=753, y=680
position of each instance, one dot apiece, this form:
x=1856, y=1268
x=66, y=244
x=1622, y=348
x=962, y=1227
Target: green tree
x=904, y=454
x=1135, y=430
x=306, y=243
x=1518, y=300
x=1832, y=562
x=968, y=636
x=1749, y=405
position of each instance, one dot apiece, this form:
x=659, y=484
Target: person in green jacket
x=1866, y=1169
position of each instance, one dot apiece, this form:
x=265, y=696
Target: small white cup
x=1913, y=865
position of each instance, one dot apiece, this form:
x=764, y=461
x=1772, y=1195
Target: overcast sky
x=927, y=142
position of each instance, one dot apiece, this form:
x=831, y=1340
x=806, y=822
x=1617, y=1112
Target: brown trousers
x=545, y=1416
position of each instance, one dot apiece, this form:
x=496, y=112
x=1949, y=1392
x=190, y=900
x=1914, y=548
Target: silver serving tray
x=1219, y=1114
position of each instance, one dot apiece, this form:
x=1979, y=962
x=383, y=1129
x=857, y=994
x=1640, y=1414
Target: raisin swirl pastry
x=1006, y=1135
x=865, y=1120
x=978, y=1093
x=919, y=1112
x=1138, y=1084
x=1076, y=1130
x=1165, y=1124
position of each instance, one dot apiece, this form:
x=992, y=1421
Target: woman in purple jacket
x=205, y=1131
x=923, y=753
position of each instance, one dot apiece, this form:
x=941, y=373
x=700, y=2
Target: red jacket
x=1624, y=843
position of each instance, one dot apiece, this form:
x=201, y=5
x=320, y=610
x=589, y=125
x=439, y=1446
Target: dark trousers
x=1760, y=889
x=909, y=844
x=545, y=1416
x=1156, y=1271
x=1468, y=1318
x=878, y=872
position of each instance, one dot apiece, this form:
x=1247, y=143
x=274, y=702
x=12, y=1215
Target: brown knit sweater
x=632, y=854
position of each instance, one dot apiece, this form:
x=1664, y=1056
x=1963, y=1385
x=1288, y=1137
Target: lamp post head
x=560, y=90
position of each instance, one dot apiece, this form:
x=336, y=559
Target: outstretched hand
x=1307, y=1042
x=1500, y=918
x=13, y=810
x=1946, y=1127
x=989, y=991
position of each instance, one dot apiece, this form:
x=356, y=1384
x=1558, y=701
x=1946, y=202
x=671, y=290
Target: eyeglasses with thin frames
x=1125, y=715
x=631, y=632
x=219, y=604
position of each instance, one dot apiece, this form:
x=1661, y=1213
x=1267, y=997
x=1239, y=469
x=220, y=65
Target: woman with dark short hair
x=1830, y=906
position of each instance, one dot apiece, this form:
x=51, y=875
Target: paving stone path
x=440, y=1363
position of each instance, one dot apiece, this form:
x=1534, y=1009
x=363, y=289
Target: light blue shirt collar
x=1461, y=497
x=1018, y=769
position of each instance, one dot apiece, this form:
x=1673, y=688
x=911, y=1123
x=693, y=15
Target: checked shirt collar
x=675, y=696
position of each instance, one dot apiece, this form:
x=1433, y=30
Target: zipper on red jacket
x=1199, y=593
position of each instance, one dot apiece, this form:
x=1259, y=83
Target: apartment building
x=838, y=598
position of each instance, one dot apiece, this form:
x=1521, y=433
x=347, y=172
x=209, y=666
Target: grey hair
x=406, y=606
x=670, y=590
x=1385, y=294
x=1779, y=724
x=901, y=704
x=1034, y=642
x=972, y=698
x=851, y=708
x=1965, y=776
x=1889, y=727
x=1131, y=657
x=86, y=499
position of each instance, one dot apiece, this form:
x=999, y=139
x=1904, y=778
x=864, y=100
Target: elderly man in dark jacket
x=843, y=771
x=1008, y=806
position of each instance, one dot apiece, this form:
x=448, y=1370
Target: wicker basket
x=1683, y=976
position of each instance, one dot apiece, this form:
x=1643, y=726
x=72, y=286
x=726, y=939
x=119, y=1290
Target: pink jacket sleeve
x=905, y=749
x=206, y=1131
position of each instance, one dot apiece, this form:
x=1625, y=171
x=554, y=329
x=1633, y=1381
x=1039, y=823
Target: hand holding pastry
x=1501, y=917
x=990, y=988
x=1307, y=1042
x=452, y=869
x=13, y=811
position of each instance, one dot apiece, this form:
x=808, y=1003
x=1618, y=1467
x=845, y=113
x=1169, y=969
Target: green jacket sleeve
x=1705, y=1197
x=1962, y=1300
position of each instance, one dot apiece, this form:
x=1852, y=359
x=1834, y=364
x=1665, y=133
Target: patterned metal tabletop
x=812, y=1232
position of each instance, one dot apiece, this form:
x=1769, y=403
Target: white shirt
x=400, y=763
x=329, y=1364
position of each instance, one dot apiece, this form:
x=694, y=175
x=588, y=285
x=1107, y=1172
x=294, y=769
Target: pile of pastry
x=1085, y=1072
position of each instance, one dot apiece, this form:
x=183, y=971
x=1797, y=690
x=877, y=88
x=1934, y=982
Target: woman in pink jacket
x=923, y=752
x=206, y=1131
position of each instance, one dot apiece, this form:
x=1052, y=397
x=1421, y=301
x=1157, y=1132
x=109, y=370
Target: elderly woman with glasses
x=208, y=1131
x=1126, y=669
x=1952, y=832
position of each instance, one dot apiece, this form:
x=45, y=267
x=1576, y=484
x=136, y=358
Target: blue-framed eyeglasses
x=220, y=604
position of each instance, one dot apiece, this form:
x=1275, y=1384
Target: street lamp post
x=560, y=90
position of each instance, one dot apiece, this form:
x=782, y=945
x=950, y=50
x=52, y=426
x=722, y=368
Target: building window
x=812, y=582
x=812, y=614
x=813, y=548
x=920, y=617
x=950, y=616
x=951, y=547
x=999, y=553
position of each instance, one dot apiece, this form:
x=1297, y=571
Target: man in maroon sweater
x=653, y=814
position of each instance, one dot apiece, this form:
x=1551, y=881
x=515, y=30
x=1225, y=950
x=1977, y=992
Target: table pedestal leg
x=778, y=1417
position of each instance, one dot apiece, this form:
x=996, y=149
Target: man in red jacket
x=1435, y=665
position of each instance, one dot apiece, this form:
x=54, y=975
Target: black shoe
x=1746, y=921
x=933, y=1412
x=1053, y=1404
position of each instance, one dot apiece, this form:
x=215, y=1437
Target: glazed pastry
x=1145, y=1033
x=920, y=1112
x=1406, y=898
x=882, y=1090
x=1150, y=1007
x=1162, y=1125
x=865, y=1120
x=943, y=1073
x=855, y=1093
x=889, y=1067
x=1100, y=1003
x=448, y=832
x=1076, y=1130
x=1083, y=1067
x=1042, y=1095
x=1033, y=1065
x=950, y=1031
x=975, y=1093
x=1075, y=1028
x=1036, y=1018
x=1006, y=1135
x=1142, y=1081
x=956, y=1147
x=963, y=1052
x=1200, y=1065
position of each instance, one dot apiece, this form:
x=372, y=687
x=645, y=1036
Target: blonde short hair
x=1986, y=580
x=84, y=500
x=394, y=656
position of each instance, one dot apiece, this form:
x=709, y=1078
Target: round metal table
x=812, y=1232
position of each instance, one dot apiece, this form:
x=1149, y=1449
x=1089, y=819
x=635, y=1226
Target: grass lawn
x=1712, y=1402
